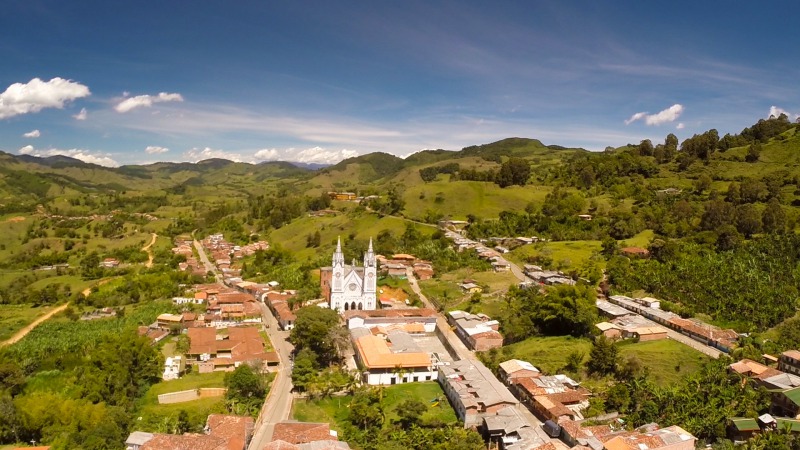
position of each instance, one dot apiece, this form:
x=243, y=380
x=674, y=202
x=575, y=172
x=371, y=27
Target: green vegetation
x=413, y=415
x=15, y=317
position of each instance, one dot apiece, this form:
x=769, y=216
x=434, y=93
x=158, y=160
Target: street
x=278, y=403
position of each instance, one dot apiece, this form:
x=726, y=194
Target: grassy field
x=458, y=198
x=15, y=317
x=335, y=409
x=565, y=254
x=667, y=360
x=366, y=225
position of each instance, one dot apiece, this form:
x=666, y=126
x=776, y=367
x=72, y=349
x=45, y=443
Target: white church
x=348, y=287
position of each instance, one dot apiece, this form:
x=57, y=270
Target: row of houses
x=478, y=331
x=499, y=264
x=228, y=432
x=554, y=397
x=279, y=303
x=398, y=264
x=559, y=402
x=721, y=339
x=547, y=277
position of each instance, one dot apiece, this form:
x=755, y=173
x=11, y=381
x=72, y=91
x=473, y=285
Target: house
x=478, y=331
x=509, y=430
x=636, y=252
x=501, y=265
x=473, y=391
x=391, y=360
x=609, y=330
x=389, y=317
x=786, y=403
x=470, y=288
x=740, y=429
x=173, y=368
x=109, y=263
x=294, y=432
x=423, y=271
x=167, y=321
x=224, y=432
x=515, y=368
x=553, y=398
x=212, y=353
x=672, y=438
x=137, y=439
x=789, y=361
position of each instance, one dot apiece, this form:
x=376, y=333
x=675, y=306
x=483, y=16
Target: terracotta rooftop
x=202, y=340
x=302, y=432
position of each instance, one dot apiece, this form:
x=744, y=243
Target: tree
x=514, y=171
x=410, y=411
x=312, y=329
x=748, y=220
x=305, y=369
x=646, y=148
x=753, y=152
x=603, y=357
x=774, y=218
x=702, y=183
x=246, y=387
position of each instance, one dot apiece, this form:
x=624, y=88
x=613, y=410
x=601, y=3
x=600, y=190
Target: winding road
x=146, y=248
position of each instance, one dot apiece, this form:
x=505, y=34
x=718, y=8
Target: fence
x=192, y=394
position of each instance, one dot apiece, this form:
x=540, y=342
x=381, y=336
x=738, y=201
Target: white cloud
x=32, y=134
x=86, y=156
x=266, y=154
x=81, y=115
x=775, y=111
x=154, y=149
x=320, y=155
x=635, y=117
x=668, y=115
x=680, y=126
x=146, y=101
x=196, y=154
x=37, y=95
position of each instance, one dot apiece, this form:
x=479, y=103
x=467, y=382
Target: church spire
x=369, y=256
x=338, y=257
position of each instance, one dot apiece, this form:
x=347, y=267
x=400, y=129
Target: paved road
x=278, y=403
x=204, y=259
x=517, y=271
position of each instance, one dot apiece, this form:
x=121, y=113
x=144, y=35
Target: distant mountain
x=309, y=166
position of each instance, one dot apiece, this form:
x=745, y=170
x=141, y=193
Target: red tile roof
x=302, y=432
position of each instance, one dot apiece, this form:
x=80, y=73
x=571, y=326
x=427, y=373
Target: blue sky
x=138, y=82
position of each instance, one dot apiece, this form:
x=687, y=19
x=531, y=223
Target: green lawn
x=15, y=317
x=334, y=409
x=188, y=381
x=667, y=360
x=565, y=254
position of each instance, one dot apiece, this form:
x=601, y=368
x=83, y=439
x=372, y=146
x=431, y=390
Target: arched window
x=360, y=306
x=353, y=305
x=346, y=306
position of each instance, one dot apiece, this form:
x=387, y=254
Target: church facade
x=347, y=287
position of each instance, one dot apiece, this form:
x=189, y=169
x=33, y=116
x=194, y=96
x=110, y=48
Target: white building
x=173, y=368
x=350, y=287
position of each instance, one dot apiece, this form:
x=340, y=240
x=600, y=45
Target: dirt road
x=146, y=248
x=21, y=333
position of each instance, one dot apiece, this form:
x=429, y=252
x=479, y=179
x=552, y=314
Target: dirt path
x=88, y=290
x=21, y=333
x=146, y=248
